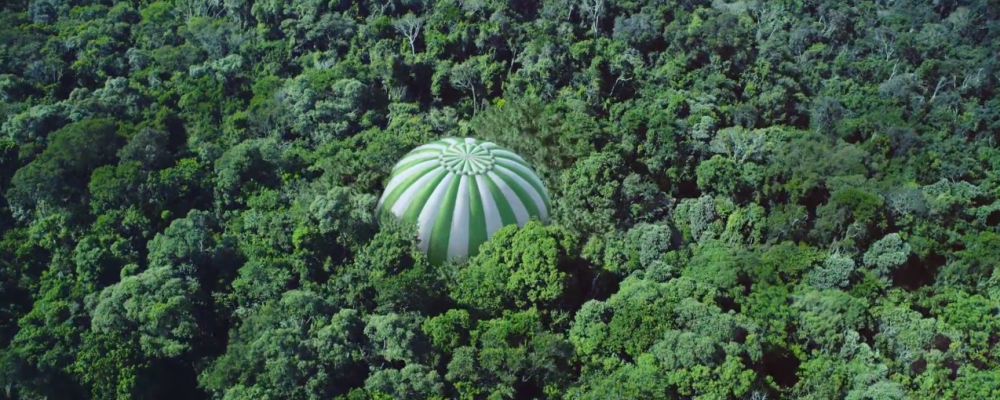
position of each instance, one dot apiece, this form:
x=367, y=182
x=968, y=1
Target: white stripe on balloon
x=428, y=215
x=458, y=240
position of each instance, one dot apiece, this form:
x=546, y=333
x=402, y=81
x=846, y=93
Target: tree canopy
x=745, y=200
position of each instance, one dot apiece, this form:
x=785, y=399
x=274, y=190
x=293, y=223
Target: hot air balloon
x=459, y=192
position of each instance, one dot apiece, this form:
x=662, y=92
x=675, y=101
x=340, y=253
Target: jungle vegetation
x=791, y=199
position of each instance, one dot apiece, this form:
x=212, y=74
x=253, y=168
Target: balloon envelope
x=459, y=192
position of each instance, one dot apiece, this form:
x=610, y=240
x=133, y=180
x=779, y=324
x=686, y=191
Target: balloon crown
x=466, y=158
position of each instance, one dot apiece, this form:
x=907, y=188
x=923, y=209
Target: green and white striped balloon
x=459, y=192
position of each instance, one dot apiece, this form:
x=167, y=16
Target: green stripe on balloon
x=423, y=156
x=522, y=194
x=393, y=197
x=441, y=232
x=420, y=200
x=529, y=177
x=500, y=201
x=477, y=218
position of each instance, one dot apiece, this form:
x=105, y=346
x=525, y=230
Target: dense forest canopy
x=792, y=199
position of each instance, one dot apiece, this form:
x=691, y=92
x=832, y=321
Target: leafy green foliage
x=517, y=269
x=751, y=199
x=58, y=176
